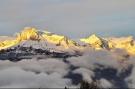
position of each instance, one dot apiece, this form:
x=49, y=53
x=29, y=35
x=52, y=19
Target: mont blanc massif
x=42, y=59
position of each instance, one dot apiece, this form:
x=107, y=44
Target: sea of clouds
x=109, y=68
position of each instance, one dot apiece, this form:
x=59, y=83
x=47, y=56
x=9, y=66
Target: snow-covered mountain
x=65, y=62
x=30, y=33
x=126, y=43
x=31, y=42
x=96, y=42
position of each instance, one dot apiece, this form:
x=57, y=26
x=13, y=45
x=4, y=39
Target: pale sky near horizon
x=73, y=18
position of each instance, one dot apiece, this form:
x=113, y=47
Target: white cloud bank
x=106, y=67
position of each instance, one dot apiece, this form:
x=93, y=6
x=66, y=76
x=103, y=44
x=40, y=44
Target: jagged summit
x=28, y=33
x=95, y=42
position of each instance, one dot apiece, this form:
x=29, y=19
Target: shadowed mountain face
x=33, y=49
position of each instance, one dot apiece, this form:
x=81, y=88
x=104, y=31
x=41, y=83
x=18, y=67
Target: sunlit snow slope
x=64, y=43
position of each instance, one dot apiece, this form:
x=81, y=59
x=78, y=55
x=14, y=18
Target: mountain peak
x=94, y=41
x=30, y=33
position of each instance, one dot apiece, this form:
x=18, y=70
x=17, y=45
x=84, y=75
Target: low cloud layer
x=109, y=69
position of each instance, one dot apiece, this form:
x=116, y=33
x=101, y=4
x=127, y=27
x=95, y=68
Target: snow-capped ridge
x=126, y=43
x=64, y=43
x=30, y=33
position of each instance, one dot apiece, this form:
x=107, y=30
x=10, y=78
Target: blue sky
x=74, y=18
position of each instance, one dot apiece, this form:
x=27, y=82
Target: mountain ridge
x=65, y=43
